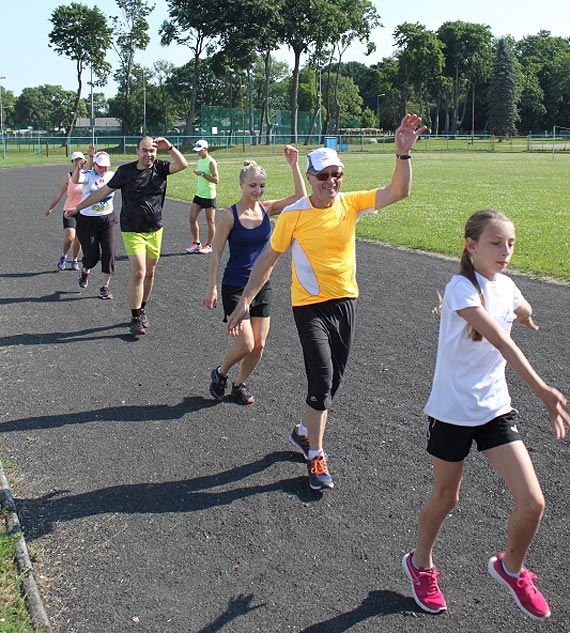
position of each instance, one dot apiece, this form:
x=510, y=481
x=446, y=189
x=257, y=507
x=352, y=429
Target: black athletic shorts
x=205, y=203
x=70, y=223
x=260, y=307
x=452, y=443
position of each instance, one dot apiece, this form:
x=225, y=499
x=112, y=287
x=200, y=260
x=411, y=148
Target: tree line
x=459, y=78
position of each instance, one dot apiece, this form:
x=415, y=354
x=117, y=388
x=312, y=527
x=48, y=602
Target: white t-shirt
x=91, y=182
x=469, y=385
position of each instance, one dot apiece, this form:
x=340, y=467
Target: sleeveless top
x=206, y=189
x=74, y=193
x=245, y=247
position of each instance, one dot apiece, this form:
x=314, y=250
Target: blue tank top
x=245, y=247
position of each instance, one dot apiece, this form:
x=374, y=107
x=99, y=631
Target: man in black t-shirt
x=143, y=189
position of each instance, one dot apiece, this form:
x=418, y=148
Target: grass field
x=531, y=188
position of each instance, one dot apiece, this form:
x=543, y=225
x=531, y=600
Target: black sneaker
x=241, y=395
x=105, y=293
x=84, y=279
x=319, y=476
x=144, y=318
x=218, y=384
x=136, y=327
x=300, y=442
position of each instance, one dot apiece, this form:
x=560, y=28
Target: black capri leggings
x=326, y=332
x=97, y=237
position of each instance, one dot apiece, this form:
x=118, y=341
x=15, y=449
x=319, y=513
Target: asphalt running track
x=148, y=507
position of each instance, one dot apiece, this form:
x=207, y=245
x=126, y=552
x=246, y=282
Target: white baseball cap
x=77, y=155
x=322, y=158
x=102, y=159
x=201, y=144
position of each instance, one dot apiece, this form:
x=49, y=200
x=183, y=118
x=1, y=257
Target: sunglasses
x=323, y=176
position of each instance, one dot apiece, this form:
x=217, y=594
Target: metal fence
x=54, y=146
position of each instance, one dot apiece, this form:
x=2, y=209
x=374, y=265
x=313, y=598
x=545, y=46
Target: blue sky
x=27, y=60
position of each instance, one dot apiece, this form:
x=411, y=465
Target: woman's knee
x=532, y=504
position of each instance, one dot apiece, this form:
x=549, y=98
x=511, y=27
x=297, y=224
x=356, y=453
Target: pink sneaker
x=528, y=598
x=424, y=586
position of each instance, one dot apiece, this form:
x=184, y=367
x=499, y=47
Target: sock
x=303, y=430
x=86, y=271
x=508, y=573
x=314, y=454
x=415, y=566
x=219, y=372
x=136, y=313
x=143, y=305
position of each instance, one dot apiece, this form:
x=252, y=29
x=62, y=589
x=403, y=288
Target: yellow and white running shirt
x=322, y=245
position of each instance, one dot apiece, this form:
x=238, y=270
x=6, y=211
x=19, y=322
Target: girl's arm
x=524, y=315
x=274, y=207
x=223, y=227
x=58, y=196
x=480, y=320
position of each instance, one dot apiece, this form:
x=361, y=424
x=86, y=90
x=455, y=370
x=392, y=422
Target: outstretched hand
x=408, y=132
x=556, y=404
x=529, y=323
x=291, y=154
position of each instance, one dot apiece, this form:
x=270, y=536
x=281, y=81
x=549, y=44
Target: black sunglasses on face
x=323, y=176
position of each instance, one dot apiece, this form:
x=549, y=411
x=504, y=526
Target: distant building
x=103, y=125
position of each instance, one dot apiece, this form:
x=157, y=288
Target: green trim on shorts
x=139, y=243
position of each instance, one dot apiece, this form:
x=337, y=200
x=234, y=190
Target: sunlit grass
x=529, y=187
x=13, y=614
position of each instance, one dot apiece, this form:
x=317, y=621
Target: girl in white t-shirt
x=470, y=402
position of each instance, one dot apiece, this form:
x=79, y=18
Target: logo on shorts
x=514, y=428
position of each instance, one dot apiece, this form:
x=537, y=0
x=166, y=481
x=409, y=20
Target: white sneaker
x=194, y=247
x=205, y=250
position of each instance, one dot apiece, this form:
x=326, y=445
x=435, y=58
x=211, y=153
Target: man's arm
x=177, y=160
x=406, y=136
x=260, y=273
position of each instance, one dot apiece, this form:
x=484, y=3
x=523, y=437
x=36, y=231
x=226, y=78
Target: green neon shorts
x=143, y=243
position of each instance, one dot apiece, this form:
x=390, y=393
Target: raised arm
x=480, y=320
x=77, y=173
x=406, y=136
x=223, y=227
x=177, y=160
x=274, y=207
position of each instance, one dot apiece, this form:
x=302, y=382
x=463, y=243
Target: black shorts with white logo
x=452, y=443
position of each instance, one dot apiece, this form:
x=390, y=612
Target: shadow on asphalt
x=128, y=413
x=237, y=607
x=54, y=338
x=165, y=497
x=377, y=603
x=57, y=296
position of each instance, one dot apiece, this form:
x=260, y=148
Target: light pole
x=378, y=106
x=2, y=120
x=144, y=103
x=92, y=112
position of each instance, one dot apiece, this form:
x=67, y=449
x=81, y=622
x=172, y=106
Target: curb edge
x=29, y=588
